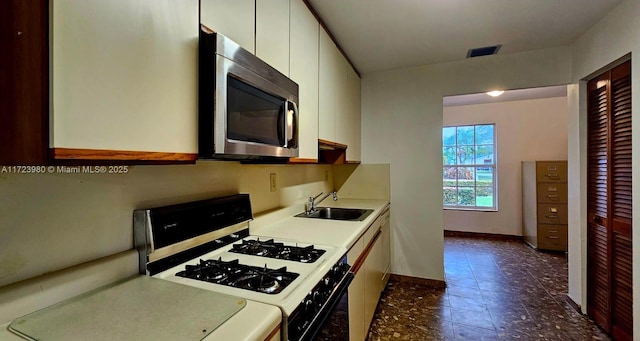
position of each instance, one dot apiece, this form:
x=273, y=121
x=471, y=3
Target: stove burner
x=234, y=274
x=271, y=249
x=214, y=271
x=263, y=280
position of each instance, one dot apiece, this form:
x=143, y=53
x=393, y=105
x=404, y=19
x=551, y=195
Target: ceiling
x=508, y=95
x=386, y=34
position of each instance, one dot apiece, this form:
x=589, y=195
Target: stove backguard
x=167, y=231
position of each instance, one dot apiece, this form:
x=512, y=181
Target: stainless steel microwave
x=247, y=109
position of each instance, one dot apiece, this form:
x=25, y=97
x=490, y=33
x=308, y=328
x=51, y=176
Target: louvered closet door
x=622, y=301
x=597, y=202
x=609, y=272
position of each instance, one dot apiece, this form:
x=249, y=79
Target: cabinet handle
x=552, y=176
x=552, y=196
x=552, y=216
x=553, y=237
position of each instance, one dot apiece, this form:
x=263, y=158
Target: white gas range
x=206, y=244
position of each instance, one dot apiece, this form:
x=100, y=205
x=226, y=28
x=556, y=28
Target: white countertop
x=325, y=231
x=262, y=318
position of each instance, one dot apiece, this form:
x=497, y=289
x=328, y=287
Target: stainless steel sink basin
x=334, y=213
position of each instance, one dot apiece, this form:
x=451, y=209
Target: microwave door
x=253, y=116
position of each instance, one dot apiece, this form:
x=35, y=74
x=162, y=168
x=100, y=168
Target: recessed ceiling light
x=495, y=93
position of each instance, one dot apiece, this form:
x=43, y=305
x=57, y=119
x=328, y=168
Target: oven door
x=330, y=322
x=336, y=324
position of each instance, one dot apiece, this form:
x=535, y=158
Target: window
x=469, y=167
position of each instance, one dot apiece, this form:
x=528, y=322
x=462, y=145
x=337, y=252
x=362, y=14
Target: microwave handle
x=290, y=127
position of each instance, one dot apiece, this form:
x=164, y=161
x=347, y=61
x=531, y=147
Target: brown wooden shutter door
x=609, y=267
x=597, y=198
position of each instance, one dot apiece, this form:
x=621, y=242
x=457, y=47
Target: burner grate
x=276, y=250
x=234, y=274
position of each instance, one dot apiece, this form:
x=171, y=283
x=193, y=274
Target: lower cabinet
x=370, y=257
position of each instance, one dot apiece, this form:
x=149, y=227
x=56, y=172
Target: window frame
x=475, y=166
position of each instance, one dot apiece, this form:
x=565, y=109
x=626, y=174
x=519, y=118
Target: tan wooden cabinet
x=544, y=204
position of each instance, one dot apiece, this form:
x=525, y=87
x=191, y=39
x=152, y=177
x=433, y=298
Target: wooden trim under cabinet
x=302, y=161
x=120, y=155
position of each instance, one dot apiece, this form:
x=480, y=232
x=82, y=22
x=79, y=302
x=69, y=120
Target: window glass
x=469, y=167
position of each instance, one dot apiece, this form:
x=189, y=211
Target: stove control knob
x=317, y=298
x=328, y=283
x=309, y=307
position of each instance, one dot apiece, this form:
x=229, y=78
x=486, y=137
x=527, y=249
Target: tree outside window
x=469, y=167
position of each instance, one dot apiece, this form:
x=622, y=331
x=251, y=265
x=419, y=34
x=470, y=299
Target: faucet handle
x=335, y=196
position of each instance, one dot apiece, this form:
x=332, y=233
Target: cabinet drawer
x=552, y=234
x=552, y=213
x=551, y=171
x=554, y=247
x=551, y=192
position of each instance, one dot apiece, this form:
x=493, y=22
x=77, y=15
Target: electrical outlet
x=326, y=175
x=272, y=182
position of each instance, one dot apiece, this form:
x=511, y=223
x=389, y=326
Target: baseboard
x=573, y=304
x=450, y=233
x=433, y=283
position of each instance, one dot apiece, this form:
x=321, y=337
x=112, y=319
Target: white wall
x=53, y=221
x=608, y=40
x=401, y=125
x=526, y=130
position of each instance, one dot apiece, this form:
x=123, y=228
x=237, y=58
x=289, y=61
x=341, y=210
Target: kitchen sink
x=334, y=213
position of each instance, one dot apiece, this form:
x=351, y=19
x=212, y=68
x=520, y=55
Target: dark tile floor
x=496, y=290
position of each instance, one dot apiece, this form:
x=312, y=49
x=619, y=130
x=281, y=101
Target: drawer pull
x=553, y=230
x=552, y=189
x=553, y=237
x=552, y=216
x=552, y=168
x=553, y=209
x=552, y=196
x=552, y=176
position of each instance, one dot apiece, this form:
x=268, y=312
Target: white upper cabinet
x=234, y=19
x=339, y=102
x=124, y=75
x=304, y=71
x=349, y=125
x=272, y=33
x=328, y=87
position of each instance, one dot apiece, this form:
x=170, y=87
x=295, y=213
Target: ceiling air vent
x=483, y=51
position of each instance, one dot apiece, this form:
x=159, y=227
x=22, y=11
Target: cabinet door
x=357, y=329
x=272, y=33
x=386, y=252
x=304, y=71
x=24, y=84
x=328, y=80
x=342, y=110
x=348, y=111
x=234, y=19
x=124, y=76
x=373, y=274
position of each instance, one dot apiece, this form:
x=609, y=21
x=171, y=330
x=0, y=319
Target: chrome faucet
x=314, y=201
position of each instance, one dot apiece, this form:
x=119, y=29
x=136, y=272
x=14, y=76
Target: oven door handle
x=321, y=317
